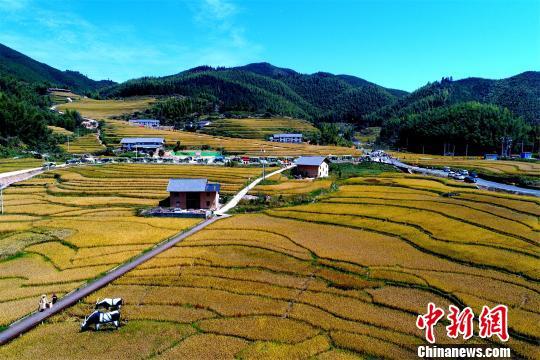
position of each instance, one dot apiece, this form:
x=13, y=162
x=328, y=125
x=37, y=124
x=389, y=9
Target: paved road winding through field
x=21, y=326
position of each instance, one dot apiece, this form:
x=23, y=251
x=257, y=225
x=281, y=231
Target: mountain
x=262, y=87
x=24, y=68
x=519, y=93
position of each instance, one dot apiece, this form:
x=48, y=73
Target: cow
x=110, y=304
x=98, y=318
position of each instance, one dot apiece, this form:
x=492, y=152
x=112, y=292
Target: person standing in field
x=43, y=302
x=54, y=299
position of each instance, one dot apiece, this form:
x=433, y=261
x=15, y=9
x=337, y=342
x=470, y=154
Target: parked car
x=470, y=179
x=459, y=177
x=49, y=165
x=473, y=174
x=464, y=172
x=446, y=169
x=73, y=161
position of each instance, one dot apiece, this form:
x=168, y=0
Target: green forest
x=466, y=128
x=24, y=116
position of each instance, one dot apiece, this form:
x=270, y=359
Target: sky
x=401, y=44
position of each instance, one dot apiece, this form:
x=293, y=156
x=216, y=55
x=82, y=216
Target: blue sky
x=399, y=43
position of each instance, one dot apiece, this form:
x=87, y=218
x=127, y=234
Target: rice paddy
x=8, y=165
x=344, y=277
x=258, y=128
x=67, y=226
x=101, y=109
x=86, y=144
x=115, y=130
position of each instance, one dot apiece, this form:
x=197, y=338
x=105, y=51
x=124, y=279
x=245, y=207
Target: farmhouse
x=193, y=194
x=312, y=166
x=142, y=144
x=286, y=138
x=149, y=123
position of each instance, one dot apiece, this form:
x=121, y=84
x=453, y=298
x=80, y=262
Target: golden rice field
x=115, y=130
x=61, y=96
x=60, y=130
x=498, y=167
x=70, y=225
x=7, y=165
x=101, y=109
x=258, y=128
x=281, y=185
x=342, y=278
x=86, y=144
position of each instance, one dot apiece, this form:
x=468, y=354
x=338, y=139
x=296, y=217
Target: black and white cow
x=110, y=304
x=98, y=318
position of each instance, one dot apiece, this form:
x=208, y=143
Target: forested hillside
x=520, y=94
x=24, y=116
x=24, y=68
x=266, y=88
x=469, y=127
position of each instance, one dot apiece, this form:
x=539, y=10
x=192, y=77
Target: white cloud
x=13, y=5
x=227, y=44
x=210, y=10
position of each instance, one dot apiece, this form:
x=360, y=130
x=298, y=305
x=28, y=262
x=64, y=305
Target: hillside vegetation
x=24, y=68
x=266, y=88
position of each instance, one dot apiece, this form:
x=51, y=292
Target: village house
x=149, y=123
x=193, y=194
x=142, y=144
x=312, y=166
x=287, y=138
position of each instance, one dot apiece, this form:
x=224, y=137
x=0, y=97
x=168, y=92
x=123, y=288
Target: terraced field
x=281, y=185
x=497, y=167
x=60, y=130
x=101, y=109
x=258, y=128
x=86, y=144
x=341, y=278
x=115, y=130
x=68, y=226
x=7, y=165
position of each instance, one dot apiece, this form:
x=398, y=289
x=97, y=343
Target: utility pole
x=68, y=142
x=2, y=197
x=466, y=150
x=264, y=165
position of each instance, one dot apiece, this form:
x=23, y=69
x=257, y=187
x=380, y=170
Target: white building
x=287, y=138
x=149, y=123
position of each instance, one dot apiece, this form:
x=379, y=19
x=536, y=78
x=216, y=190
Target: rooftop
x=191, y=185
x=145, y=120
x=136, y=140
x=310, y=160
x=287, y=135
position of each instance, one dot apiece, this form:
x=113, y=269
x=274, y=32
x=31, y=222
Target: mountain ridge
x=24, y=68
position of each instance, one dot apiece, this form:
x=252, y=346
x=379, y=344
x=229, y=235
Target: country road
x=21, y=326
x=481, y=183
